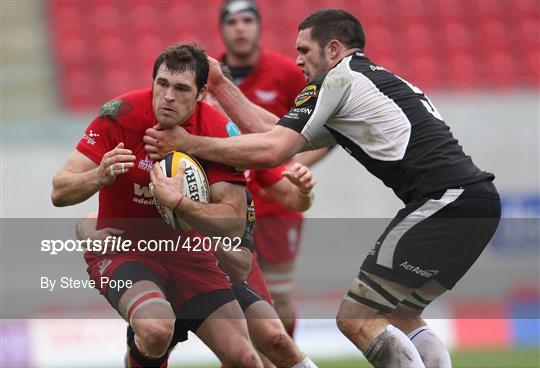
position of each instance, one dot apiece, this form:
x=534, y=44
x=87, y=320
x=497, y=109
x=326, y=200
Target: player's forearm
x=70, y=188
x=249, y=117
x=299, y=201
x=292, y=198
x=235, y=264
x=310, y=158
x=212, y=219
x=250, y=151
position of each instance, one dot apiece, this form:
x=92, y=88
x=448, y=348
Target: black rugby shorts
x=437, y=237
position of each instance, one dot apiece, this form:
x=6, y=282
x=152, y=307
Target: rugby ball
x=196, y=185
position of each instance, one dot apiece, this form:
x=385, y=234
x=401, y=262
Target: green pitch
x=519, y=358
x=471, y=359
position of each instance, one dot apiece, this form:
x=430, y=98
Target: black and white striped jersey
x=387, y=124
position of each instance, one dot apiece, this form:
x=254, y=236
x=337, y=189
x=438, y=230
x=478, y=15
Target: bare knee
x=280, y=340
x=406, y=319
x=249, y=359
x=154, y=334
x=360, y=324
x=277, y=341
x=243, y=358
x=351, y=327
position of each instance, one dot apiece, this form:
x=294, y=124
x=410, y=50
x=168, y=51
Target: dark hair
x=329, y=24
x=181, y=57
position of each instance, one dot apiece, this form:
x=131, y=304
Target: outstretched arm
x=310, y=158
x=249, y=117
x=259, y=150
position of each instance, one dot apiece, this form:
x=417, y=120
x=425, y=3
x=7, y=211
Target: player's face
x=311, y=58
x=174, y=96
x=240, y=34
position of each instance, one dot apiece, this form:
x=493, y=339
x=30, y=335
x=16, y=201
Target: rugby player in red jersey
x=265, y=328
x=271, y=81
x=180, y=287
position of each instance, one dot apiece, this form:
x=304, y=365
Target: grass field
x=529, y=358
x=523, y=358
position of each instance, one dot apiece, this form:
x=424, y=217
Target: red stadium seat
x=444, y=44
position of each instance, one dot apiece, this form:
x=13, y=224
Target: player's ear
x=202, y=93
x=333, y=48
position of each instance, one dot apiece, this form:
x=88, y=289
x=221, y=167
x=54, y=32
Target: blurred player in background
x=111, y=159
x=452, y=208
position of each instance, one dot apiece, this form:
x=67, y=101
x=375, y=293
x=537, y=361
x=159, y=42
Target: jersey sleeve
x=315, y=104
x=269, y=177
x=101, y=136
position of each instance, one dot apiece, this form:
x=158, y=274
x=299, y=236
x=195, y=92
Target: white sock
x=306, y=363
x=393, y=349
x=431, y=349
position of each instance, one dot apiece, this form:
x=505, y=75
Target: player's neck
x=243, y=60
x=342, y=55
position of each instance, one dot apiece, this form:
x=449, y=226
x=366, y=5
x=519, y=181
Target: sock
x=306, y=363
x=392, y=348
x=431, y=349
x=137, y=359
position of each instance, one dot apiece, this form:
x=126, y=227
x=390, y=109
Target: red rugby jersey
x=125, y=119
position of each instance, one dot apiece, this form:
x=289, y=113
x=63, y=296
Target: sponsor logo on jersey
x=376, y=68
x=142, y=195
x=303, y=110
x=146, y=164
x=110, y=108
x=251, y=212
x=142, y=191
x=90, y=138
x=232, y=129
x=266, y=96
x=103, y=264
x=417, y=270
x=305, y=95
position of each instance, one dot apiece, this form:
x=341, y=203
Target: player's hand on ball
x=159, y=142
x=300, y=176
x=116, y=162
x=168, y=191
